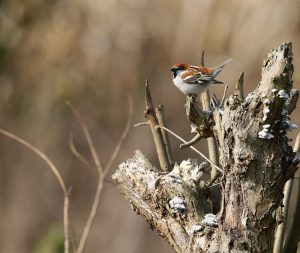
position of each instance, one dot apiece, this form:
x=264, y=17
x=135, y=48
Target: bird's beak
x=173, y=69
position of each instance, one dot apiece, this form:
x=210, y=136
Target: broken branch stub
x=257, y=160
x=156, y=132
x=201, y=121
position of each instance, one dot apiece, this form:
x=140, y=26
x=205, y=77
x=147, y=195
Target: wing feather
x=195, y=76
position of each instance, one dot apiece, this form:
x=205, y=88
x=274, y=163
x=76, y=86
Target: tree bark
x=257, y=161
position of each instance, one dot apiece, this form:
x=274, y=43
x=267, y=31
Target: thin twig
x=196, y=138
x=76, y=153
x=122, y=138
x=213, y=179
x=192, y=147
x=101, y=173
x=211, y=186
x=92, y=215
x=88, y=138
x=141, y=124
x=58, y=177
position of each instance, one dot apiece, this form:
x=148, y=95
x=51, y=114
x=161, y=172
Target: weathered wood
x=257, y=161
x=152, y=120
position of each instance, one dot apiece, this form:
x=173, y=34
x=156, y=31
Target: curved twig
x=192, y=147
x=77, y=154
x=196, y=138
x=101, y=172
x=122, y=138
x=88, y=138
x=56, y=174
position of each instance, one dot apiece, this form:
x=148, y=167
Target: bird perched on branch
x=193, y=80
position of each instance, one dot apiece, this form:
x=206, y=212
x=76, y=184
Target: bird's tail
x=219, y=68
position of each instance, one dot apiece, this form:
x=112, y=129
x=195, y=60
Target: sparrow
x=193, y=80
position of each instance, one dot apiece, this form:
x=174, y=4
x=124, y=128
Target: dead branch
x=193, y=148
x=292, y=236
x=101, y=172
x=160, y=114
x=156, y=132
x=239, y=87
x=257, y=161
x=57, y=175
x=191, y=142
x=77, y=154
x=211, y=142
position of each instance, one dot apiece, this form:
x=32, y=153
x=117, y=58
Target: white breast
x=188, y=89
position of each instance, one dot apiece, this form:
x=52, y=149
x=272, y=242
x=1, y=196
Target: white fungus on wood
x=177, y=205
x=210, y=220
x=283, y=94
x=196, y=228
x=249, y=97
x=265, y=134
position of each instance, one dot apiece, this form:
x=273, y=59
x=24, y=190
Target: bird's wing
x=194, y=76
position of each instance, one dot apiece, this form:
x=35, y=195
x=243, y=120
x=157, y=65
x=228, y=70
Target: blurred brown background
x=95, y=53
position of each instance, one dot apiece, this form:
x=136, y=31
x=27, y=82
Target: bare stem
x=160, y=113
x=240, y=86
x=76, y=153
x=101, y=173
x=58, y=177
x=211, y=142
x=156, y=132
x=88, y=138
x=290, y=241
x=92, y=215
x=122, y=138
x=196, y=138
x=192, y=147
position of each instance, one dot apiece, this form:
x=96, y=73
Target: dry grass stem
x=88, y=138
x=122, y=138
x=58, y=177
x=77, y=154
x=101, y=173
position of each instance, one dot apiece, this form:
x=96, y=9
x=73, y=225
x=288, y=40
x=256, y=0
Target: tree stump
x=256, y=159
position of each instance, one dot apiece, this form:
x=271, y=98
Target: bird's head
x=178, y=67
